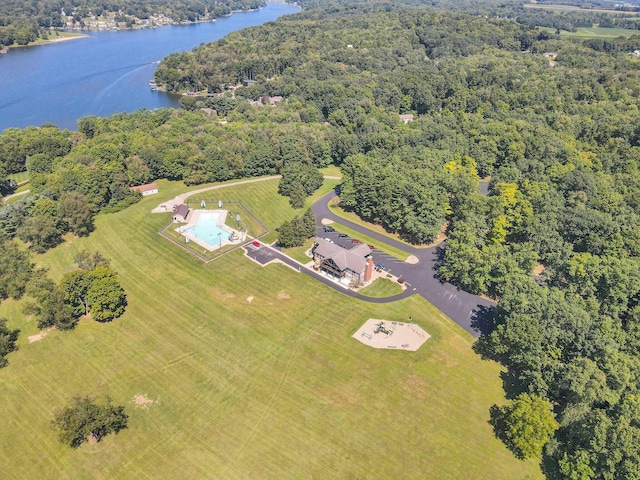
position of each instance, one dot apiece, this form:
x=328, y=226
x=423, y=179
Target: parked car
x=354, y=241
x=371, y=247
x=343, y=235
x=328, y=228
x=382, y=266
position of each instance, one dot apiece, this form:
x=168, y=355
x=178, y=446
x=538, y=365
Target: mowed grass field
x=251, y=373
x=588, y=33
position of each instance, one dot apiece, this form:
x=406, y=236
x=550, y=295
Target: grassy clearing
x=572, y=8
x=20, y=177
x=381, y=287
x=298, y=253
x=394, y=252
x=60, y=37
x=331, y=171
x=584, y=33
x=251, y=372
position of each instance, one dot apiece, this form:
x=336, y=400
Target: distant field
x=597, y=32
x=573, y=8
x=250, y=373
x=584, y=33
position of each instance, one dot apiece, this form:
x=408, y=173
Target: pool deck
x=193, y=217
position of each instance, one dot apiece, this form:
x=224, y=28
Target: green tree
x=42, y=231
x=308, y=224
x=287, y=235
x=76, y=213
x=88, y=126
x=84, y=417
x=89, y=261
x=8, y=339
x=528, y=424
x=297, y=196
x=76, y=286
x=52, y=308
x=15, y=270
x=105, y=296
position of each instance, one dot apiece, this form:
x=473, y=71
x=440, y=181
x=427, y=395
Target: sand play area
x=379, y=333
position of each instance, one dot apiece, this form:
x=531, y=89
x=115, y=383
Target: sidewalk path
x=167, y=206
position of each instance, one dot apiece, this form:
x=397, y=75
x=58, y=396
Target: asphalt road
x=465, y=309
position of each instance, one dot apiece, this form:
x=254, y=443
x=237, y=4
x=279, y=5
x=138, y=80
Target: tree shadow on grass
x=498, y=422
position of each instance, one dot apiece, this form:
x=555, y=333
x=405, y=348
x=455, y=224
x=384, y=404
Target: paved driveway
x=463, y=308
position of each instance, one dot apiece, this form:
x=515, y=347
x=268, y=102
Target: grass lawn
x=60, y=37
x=584, y=33
x=298, y=253
x=20, y=178
x=331, y=171
x=250, y=373
x=381, y=287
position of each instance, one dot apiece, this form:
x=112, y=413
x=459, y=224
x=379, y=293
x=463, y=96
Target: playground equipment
x=380, y=329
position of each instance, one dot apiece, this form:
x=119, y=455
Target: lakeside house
x=354, y=265
x=146, y=189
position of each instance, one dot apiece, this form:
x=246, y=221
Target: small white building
x=147, y=189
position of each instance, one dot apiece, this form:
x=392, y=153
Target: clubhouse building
x=351, y=266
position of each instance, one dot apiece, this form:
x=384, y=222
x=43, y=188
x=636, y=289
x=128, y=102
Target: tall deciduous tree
x=528, y=425
x=76, y=213
x=105, y=296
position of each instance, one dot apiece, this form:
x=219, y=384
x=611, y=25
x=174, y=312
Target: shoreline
x=40, y=42
x=73, y=35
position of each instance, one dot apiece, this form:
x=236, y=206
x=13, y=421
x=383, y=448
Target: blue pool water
x=206, y=228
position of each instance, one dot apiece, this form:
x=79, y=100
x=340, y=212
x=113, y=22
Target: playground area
x=377, y=333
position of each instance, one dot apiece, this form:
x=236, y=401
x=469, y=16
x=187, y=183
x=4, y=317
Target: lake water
x=104, y=73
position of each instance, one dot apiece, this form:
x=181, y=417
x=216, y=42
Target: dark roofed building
x=354, y=265
x=180, y=213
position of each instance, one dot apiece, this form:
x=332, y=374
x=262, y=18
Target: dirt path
x=14, y=195
x=169, y=204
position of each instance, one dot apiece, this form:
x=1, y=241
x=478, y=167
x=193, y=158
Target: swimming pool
x=207, y=229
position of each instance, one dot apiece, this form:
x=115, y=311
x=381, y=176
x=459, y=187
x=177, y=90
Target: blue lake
x=105, y=72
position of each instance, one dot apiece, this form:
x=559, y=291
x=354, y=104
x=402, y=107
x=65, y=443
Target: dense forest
x=75, y=175
x=552, y=125
x=24, y=22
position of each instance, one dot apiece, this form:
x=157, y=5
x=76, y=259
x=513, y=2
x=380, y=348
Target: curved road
x=463, y=308
x=467, y=310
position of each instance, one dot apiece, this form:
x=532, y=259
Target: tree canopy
x=84, y=418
